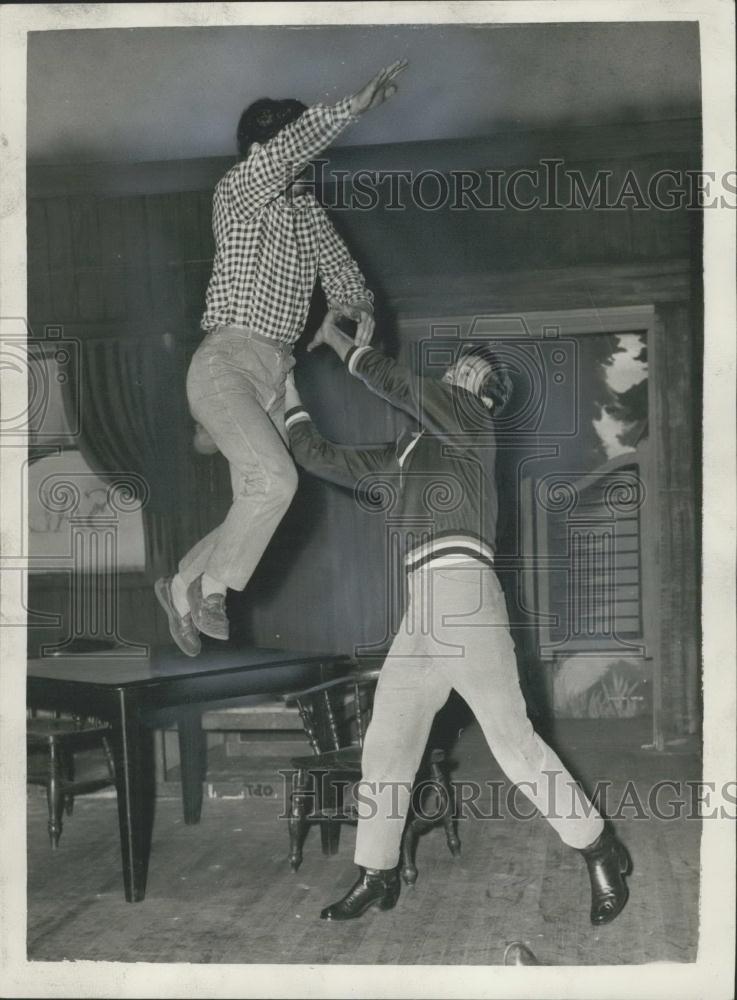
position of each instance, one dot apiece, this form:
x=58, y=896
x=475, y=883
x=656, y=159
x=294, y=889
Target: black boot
x=608, y=862
x=375, y=886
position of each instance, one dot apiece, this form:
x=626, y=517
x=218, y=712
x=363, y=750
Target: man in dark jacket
x=455, y=631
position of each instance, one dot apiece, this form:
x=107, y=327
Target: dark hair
x=498, y=384
x=263, y=119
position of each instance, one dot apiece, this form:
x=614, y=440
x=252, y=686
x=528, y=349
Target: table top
x=111, y=669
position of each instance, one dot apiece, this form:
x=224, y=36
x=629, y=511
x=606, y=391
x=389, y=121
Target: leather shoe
x=181, y=627
x=208, y=612
x=375, y=887
x=608, y=861
x=517, y=953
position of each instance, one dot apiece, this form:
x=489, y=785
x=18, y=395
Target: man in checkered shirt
x=273, y=240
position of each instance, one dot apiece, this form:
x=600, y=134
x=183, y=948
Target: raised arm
x=343, y=282
x=271, y=167
x=340, y=464
x=435, y=404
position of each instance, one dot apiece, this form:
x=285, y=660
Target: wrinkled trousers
x=235, y=389
x=455, y=634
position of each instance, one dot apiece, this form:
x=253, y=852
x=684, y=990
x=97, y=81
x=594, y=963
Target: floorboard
x=222, y=892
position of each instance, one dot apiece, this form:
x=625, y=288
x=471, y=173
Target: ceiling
x=176, y=93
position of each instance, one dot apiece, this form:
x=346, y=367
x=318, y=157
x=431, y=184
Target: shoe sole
x=380, y=904
x=171, y=615
x=201, y=626
x=625, y=868
x=613, y=916
x=388, y=904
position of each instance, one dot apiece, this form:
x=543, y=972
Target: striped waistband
x=451, y=549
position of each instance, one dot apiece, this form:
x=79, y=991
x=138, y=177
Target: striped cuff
x=295, y=415
x=354, y=355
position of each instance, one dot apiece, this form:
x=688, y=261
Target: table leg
x=192, y=763
x=132, y=748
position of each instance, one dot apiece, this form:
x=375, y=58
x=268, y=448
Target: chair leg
x=451, y=835
x=109, y=758
x=297, y=818
x=408, y=868
x=336, y=826
x=325, y=802
x=54, y=797
x=68, y=796
x=418, y=821
x=421, y=818
x=330, y=801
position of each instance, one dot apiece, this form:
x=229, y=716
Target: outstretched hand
x=326, y=332
x=379, y=89
x=331, y=335
x=363, y=316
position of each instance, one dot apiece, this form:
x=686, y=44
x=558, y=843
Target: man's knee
x=284, y=480
x=275, y=479
x=519, y=748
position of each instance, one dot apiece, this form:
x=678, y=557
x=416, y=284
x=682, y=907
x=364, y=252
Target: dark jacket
x=442, y=498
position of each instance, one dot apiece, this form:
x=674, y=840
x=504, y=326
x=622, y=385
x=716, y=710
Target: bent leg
x=263, y=476
x=486, y=677
x=409, y=694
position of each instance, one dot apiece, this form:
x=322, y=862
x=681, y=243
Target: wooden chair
x=51, y=745
x=335, y=716
x=52, y=742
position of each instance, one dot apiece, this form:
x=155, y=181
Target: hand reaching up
x=363, y=316
x=379, y=89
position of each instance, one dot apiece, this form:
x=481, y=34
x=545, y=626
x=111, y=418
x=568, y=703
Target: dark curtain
x=134, y=419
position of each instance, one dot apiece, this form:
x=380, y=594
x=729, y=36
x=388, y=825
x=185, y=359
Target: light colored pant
x=235, y=389
x=455, y=634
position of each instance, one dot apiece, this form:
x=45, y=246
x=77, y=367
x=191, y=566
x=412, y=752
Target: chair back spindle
x=332, y=725
x=360, y=723
x=309, y=726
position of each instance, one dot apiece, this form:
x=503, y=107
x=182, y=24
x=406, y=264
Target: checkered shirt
x=269, y=251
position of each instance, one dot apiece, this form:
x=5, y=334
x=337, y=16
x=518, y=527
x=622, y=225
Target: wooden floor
x=222, y=892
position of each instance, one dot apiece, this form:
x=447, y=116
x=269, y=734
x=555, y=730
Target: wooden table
x=134, y=694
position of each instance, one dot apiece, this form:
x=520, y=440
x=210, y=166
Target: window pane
x=612, y=400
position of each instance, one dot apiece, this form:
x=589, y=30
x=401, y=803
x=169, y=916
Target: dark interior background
x=120, y=251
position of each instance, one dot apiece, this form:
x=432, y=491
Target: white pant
x=235, y=389
x=455, y=634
